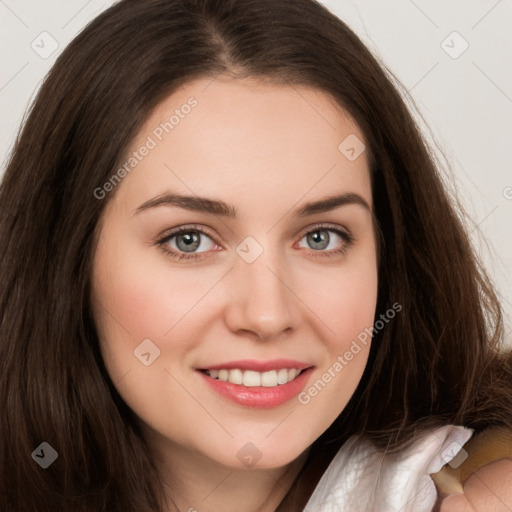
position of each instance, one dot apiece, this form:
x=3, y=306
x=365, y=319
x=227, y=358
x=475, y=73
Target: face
x=246, y=280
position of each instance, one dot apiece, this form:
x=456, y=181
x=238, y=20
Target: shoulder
x=362, y=478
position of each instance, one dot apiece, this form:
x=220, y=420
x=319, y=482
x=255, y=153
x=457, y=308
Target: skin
x=267, y=150
x=487, y=490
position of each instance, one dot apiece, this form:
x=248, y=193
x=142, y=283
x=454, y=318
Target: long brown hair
x=435, y=363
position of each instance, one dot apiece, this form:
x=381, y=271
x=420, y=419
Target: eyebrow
x=217, y=207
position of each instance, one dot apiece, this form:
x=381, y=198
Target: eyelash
x=347, y=238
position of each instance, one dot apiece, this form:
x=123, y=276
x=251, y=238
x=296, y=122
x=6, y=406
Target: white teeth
x=236, y=376
x=269, y=379
x=282, y=376
x=251, y=378
x=292, y=374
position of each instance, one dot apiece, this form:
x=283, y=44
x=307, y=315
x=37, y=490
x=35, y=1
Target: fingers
x=456, y=503
x=488, y=490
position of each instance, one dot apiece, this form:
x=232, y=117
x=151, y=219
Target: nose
x=261, y=298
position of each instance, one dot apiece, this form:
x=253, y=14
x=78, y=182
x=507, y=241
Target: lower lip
x=259, y=396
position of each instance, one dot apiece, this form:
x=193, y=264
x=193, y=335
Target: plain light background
x=454, y=58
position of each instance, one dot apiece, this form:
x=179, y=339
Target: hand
x=489, y=489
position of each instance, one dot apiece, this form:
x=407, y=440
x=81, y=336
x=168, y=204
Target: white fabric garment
x=362, y=479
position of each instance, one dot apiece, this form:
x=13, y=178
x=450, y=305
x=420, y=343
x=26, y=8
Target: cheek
x=352, y=305
x=353, y=314
x=141, y=294
x=344, y=300
x=130, y=303
x=139, y=298
x=346, y=309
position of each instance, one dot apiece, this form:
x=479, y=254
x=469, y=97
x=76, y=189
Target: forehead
x=248, y=136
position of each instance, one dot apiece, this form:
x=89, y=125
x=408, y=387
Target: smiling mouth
x=279, y=383
x=250, y=378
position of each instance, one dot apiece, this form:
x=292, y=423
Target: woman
x=336, y=314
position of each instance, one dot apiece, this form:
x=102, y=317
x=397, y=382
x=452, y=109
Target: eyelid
x=190, y=227
x=327, y=226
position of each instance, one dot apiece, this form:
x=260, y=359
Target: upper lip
x=258, y=366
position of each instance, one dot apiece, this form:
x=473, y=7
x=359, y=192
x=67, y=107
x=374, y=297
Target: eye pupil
x=190, y=239
x=319, y=239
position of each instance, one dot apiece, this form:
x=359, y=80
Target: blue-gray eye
x=188, y=241
x=320, y=239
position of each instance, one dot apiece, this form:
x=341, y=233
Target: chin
x=251, y=455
